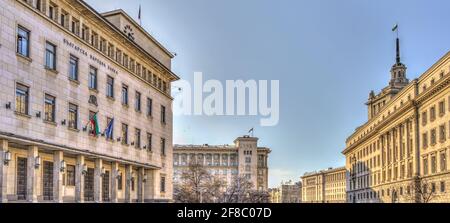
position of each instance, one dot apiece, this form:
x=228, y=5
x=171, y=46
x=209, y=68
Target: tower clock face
x=129, y=32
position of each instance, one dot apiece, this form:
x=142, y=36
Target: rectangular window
x=424, y=118
x=103, y=45
x=22, y=99
x=64, y=19
x=73, y=116
x=85, y=33
x=118, y=56
x=124, y=133
x=149, y=141
x=442, y=186
x=49, y=109
x=23, y=41
x=93, y=78
x=441, y=108
x=124, y=95
x=110, y=87
x=75, y=27
x=94, y=40
x=163, y=184
x=443, y=161
x=108, y=122
x=119, y=182
x=163, y=146
x=137, y=101
x=70, y=172
x=442, y=134
x=125, y=60
x=51, y=11
x=433, y=137
x=433, y=164
x=432, y=113
x=425, y=166
x=424, y=140
x=163, y=114
x=50, y=56
x=73, y=68
x=149, y=106
x=137, y=138
x=111, y=51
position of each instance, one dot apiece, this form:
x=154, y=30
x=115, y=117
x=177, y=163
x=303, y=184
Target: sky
x=327, y=55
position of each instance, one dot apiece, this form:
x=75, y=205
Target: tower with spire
x=398, y=81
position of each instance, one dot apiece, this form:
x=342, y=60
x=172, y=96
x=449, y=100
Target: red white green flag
x=94, y=126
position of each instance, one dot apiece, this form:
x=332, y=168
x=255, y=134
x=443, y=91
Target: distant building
x=291, y=192
x=325, y=186
x=244, y=158
x=274, y=194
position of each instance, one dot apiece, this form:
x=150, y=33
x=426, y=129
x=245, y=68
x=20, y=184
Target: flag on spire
x=395, y=28
x=139, y=16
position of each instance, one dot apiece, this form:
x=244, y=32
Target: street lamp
x=63, y=166
x=7, y=158
x=37, y=162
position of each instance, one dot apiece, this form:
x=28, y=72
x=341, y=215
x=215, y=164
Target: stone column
x=114, y=183
x=3, y=172
x=79, y=180
x=149, y=190
x=98, y=180
x=140, y=185
x=58, y=157
x=128, y=176
x=32, y=174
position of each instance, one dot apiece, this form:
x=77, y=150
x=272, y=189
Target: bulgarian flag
x=93, y=125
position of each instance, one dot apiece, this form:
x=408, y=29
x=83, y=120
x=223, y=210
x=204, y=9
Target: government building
x=401, y=153
x=85, y=106
x=324, y=186
x=244, y=158
x=288, y=192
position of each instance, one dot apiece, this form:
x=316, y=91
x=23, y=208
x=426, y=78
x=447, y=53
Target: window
x=23, y=42
x=22, y=98
x=132, y=66
x=433, y=137
x=85, y=33
x=425, y=166
x=119, y=182
x=163, y=146
x=73, y=116
x=110, y=87
x=49, y=108
x=110, y=51
x=109, y=121
x=442, y=186
x=124, y=95
x=70, y=172
x=433, y=187
x=73, y=68
x=52, y=10
x=149, y=106
x=93, y=78
x=137, y=101
x=443, y=162
x=124, y=133
x=137, y=138
x=50, y=56
x=118, y=56
x=102, y=45
x=75, y=26
x=442, y=135
x=433, y=164
x=163, y=184
x=125, y=60
x=424, y=140
x=94, y=39
x=64, y=19
x=424, y=118
x=163, y=114
x=441, y=108
x=149, y=141
x=432, y=113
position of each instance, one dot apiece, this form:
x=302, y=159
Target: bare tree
x=422, y=191
x=197, y=185
x=241, y=191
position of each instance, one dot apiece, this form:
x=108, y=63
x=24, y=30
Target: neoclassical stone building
x=244, y=158
x=325, y=186
x=404, y=145
x=85, y=106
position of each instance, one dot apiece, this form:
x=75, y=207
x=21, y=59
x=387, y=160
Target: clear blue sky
x=328, y=55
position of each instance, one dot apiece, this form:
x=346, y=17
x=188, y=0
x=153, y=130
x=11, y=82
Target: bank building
x=85, y=106
x=401, y=153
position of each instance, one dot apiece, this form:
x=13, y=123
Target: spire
x=398, y=51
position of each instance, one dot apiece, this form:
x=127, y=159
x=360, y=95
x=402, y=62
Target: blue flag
x=109, y=130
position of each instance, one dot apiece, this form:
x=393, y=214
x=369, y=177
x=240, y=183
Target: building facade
x=290, y=192
x=86, y=111
x=244, y=158
x=402, y=150
x=325, y=186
